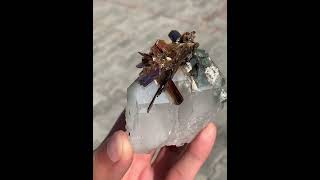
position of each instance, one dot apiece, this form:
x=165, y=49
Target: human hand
x=114, y=159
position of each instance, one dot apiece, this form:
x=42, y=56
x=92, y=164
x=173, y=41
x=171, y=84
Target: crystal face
x=170, y=124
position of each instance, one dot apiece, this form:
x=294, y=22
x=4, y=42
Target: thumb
x=113, y=158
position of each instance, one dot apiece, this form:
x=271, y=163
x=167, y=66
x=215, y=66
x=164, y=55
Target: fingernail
x=114, y=147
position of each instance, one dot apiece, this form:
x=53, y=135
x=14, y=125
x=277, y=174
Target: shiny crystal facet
x=169, y=124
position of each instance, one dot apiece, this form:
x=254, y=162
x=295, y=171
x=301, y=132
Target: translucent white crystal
x=188, y=67
x=223, y=95
x=212, y=74
x=167, y=123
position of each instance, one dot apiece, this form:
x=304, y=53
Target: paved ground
x=123, y=27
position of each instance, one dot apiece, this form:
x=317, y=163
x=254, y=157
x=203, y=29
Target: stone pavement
x=123, y=27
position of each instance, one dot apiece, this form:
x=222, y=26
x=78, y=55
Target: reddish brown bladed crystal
x=174, y=92
x=162, y=62
x=162, y=45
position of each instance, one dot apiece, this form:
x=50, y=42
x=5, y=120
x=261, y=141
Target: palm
x=171, y=163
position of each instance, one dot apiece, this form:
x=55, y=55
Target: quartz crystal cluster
x=202, y=86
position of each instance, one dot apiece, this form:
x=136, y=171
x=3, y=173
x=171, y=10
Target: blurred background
x=121, y=28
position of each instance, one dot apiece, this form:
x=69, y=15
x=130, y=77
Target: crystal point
x=170, y=124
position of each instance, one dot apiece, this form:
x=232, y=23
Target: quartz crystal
x=170, y=124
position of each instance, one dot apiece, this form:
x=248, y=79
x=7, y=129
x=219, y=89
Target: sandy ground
x=123, y=27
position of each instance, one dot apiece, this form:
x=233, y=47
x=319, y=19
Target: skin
x=114, y=159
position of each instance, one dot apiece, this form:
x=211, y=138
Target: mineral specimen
x=163, y=61
x=196, y=78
